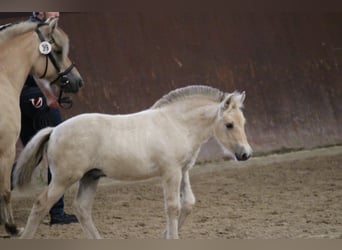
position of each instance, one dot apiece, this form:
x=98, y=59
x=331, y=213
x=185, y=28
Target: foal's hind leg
x=187, y=199
x=41, y=207
x=83, y=205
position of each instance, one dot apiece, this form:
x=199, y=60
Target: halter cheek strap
x=49, y=55
x=45, y=49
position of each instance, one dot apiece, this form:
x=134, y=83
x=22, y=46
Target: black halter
x=65, y=102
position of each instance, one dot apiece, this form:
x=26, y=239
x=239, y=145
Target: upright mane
x=9, y=31
x=194, y=90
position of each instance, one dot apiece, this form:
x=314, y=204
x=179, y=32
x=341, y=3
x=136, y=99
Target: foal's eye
x=229, y=125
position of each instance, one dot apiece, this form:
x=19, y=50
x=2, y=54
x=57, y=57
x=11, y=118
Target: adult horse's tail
x=30, y=157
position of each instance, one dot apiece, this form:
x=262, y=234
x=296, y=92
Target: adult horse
x=162, y=141
x=27, y=48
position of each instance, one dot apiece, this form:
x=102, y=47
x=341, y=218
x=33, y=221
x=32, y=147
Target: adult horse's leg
x=6, y=216
x=41, y=207
x=171, y=187
x=83, y=205
x=187, y=199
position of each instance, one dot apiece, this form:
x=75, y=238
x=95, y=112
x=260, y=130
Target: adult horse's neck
x=17, y=57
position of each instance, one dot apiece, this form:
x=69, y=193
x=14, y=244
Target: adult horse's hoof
x=13, y=230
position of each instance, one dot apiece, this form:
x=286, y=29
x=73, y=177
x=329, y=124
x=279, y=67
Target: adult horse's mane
x=9, y=31
x=181, y=93
x=4, y=26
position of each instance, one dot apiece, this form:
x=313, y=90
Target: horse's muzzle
x=71, y=84
x=243, y=153
x=243, y=156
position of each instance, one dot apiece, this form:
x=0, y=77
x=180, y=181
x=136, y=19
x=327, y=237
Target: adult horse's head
x=230, y=126
x=53, y=63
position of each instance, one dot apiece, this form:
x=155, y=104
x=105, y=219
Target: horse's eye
x=58, y=52
x=229, y=125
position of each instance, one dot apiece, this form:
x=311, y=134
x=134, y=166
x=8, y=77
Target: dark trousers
x=36, y=115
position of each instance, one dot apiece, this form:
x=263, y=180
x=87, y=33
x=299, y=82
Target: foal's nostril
x=242, y=157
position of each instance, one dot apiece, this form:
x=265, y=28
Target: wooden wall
x=289, y=64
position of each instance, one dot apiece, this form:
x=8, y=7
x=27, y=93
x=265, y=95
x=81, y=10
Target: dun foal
x=163, y=141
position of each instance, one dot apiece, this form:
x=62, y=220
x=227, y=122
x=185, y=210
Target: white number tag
x=45, y=47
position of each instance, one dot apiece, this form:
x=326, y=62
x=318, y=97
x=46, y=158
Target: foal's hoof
x=20, y=231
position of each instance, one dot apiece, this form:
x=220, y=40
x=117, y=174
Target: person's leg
x=57, y=209
x=57, y=214
x=36, y=115
x=52, y=117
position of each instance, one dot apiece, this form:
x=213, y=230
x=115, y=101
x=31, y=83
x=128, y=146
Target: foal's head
x=230, y=126
x=54, y=64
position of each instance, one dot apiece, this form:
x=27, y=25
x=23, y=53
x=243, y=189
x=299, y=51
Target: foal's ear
x=242, y=97
x=233, y=100
x=227, y=100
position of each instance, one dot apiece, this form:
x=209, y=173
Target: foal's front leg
x=187, y=199
x=83, y=205
x=172, y=203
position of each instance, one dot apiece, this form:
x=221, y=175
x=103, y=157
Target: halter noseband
x=60, y=74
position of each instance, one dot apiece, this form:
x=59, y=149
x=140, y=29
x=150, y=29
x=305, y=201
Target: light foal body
x=19, y=56
x=162, y=141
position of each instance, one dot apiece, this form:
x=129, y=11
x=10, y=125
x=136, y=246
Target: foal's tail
x=30, y=157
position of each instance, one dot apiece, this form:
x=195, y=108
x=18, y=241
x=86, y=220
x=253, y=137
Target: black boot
x=63, y=219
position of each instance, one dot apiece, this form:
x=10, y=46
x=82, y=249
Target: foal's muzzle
x=243, y=153
x=242, y=157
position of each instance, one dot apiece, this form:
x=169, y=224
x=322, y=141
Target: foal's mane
x=193, y=90
x=9, y=31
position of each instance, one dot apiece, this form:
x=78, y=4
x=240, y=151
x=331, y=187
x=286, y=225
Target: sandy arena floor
x=293, y=195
